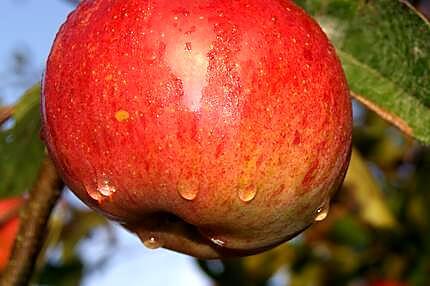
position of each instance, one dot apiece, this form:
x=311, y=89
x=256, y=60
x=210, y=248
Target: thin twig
x=387, y=116
x=34, y=219
x=5, y=113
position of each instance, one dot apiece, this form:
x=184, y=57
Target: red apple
x=9, y=225
x=212, y=128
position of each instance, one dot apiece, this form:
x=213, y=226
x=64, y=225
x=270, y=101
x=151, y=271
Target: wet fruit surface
x=205, y=127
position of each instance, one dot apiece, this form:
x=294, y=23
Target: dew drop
x=217, y=241
x=152, y=243
x=247, y=194
x=103, y=190
x=322, y=211
x=93, y=194
x=188, y=191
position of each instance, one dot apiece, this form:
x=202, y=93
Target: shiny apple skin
x=213, y=128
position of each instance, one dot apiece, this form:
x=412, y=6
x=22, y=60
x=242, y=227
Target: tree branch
x=34, y=219
x=5, y=113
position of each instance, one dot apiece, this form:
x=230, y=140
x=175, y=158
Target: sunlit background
x=353, y=246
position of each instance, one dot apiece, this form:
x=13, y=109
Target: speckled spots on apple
x=122, y=115
x=213, y=121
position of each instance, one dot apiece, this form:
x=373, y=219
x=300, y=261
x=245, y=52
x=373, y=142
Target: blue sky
x=32, y=25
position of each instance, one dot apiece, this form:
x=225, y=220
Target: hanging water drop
x=322, y=211
x=94, y=194
x=152, y=243
x=188, y=191
x=217, y=241
x=247, y=194
x=102, y=190
x=105, y=189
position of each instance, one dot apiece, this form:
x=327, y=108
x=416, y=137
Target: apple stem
x=33, y=224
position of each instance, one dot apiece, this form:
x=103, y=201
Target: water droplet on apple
x=322, y=211
x=152, y=243
x=218, y=242
x=248, y=193
x=93, y=193
x=188, y=191
x=103, y=189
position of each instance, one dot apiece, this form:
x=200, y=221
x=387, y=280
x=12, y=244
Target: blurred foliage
x=60, y=262
x=377, y=232
x=21, y=150
x=367, y=194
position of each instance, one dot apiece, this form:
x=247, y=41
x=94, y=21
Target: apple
x=9, y=225
x=213, y=128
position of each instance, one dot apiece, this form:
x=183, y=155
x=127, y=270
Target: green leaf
x=21, y=150
x=384, y=48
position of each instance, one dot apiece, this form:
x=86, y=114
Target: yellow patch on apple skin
x=122, y=115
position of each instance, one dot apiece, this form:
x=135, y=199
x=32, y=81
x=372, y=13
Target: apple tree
x=377, y=231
